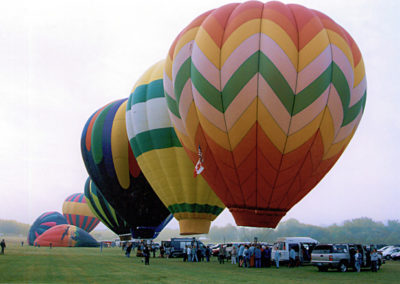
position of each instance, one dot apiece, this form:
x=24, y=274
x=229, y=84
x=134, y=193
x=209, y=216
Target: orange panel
x=265, y=169
x=268, y=149
x=246, y=146
x=296, y=156
x=282, y=16
x=248, y=167
x=243, y=13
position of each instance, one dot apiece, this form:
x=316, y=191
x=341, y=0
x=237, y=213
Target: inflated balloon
x=271, y=94
x=163, y=159
x=66, y=236
x=104, y=211
x=43, y=223
x=78, y=213
x=112, y=167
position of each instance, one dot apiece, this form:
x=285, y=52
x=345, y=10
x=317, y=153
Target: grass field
x=88, y=265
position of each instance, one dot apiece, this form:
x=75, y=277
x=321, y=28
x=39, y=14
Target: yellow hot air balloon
x=162, y=158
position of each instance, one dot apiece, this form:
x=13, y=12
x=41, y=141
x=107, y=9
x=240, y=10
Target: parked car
x=387, y=252
x=382, y=249
x=340, y=256
x=395, y=255
x=176, y=246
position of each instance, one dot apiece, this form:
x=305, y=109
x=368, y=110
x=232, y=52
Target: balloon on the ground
x=43, y=223
x=104, y=211
x=78, y=213
x=113, y=168
x=66, y=236
x=162, y=158
x=272, y=94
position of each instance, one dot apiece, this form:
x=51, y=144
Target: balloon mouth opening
x=194, y=226
x=265, y=218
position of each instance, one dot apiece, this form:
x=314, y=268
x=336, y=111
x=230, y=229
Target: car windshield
x=323, y=249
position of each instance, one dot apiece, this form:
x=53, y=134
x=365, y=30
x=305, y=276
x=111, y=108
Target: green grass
x=88, y=265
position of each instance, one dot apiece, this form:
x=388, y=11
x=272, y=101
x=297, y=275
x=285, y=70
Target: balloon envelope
x=78, y=213
x=66, y=236
x=162, y=158
x=103, y=210
x=272, y=94
x=43, y=223
x=112, y=167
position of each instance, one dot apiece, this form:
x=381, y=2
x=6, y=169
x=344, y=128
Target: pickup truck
x=340, y=256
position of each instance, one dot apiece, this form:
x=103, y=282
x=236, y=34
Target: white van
x=301, y=245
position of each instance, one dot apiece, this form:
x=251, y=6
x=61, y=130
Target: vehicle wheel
x=322, y=269
x=342, y=267
x=387, y=257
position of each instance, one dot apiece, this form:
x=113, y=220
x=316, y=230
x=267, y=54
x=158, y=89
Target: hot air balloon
x=66, y=236
x=43, y=223
x=112, y=167
x=163, y=159
x=78, y=213
x=105, y=212
x=271, y=94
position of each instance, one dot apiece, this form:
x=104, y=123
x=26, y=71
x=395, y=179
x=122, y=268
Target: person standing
x=357, y=261
x=208, y=253
x=246, y=256
x=128, y=250
x=185, y=255
x=189, y=253
x=194, y=254
x=3, y=246
x=292, y=257
x=146, y=253
x=240, y=253
x=374, y=261
x=221, y=254
x=257, y=257
x=233, y=255
x=277, y=257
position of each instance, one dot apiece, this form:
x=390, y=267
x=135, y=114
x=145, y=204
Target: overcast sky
x=62, y=60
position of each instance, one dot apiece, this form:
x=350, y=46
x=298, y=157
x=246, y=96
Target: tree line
x=361, y=230
x=14, y=228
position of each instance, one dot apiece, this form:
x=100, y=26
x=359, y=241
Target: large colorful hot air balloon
x=163, y=159
x=43, y=223
x=105, y=212
x=78, y=213
x=271, y=94
x=66, y=236
x=112, y=167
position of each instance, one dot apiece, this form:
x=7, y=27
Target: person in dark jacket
x=3, y=246
x=128, y=250
x=146, y=253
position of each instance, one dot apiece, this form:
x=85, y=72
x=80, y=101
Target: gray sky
x=62, y=60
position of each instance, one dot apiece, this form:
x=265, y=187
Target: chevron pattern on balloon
x=272, y=94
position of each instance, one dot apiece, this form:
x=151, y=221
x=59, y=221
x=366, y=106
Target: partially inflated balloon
x=112, y=167
x=78, y=213
x=43, y=223
x=163, y=159
x=66, y=236
x=104, y=211
x=272, y=94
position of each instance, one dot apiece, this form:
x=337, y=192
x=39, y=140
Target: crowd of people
x=243, y=255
